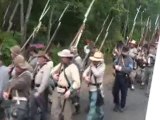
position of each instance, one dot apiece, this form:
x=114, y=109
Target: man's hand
x=67, y=94
x=36, y=94
x=117, y=67
x=87, y=79
x=55, y=76
x=5, y=95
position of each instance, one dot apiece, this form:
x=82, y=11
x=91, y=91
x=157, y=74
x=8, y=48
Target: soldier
x=67, y=77
x=4, y=79
x=15, y=51
x=148, y=71
x=123, y=66
x=18, y=90
x=78, y=61
x=93, y=75
x=33, y=59
x=133, y=53
x=39, y=100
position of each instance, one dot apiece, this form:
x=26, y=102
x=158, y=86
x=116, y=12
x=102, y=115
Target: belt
x=94, y=84
x=19, y=98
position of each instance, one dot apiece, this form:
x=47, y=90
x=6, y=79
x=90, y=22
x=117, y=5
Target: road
x=136, y=102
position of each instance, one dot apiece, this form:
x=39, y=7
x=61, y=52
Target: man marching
x=123, y=66
x=67, y=77
x=18, y=90
x=93, y=75
x=40, y=94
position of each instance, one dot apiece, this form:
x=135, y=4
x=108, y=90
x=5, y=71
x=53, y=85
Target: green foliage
x=8, y=42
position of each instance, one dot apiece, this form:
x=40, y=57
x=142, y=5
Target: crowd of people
x=36, y=89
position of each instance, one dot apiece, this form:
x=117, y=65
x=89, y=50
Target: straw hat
x=15, y=49
x=20, y=62
x=133, y=42
x=43, y=54
x=65, y=53
x=98, y=56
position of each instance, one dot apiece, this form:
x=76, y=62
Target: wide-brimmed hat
x=133, y=42
x=65, y=53
x=21, y=62
x=43, y=54
x=98, y=56
x=15, y=49
x=125, y=50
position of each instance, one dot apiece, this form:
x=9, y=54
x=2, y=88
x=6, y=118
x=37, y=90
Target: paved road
x=135, y=108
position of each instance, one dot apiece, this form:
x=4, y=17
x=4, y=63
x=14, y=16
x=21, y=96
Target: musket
x=58, y=26
x=80, y=31
x=37, y=28
x=156, y=27
x=102, y=28
x=134, y=23
x=145, y=32
x=106, y=35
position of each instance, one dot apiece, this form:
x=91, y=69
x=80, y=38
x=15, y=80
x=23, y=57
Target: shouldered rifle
x=106, y=35
x=37, y=28
x=58, y=26
x=77, y=38
x=134, y=24
x=102, y=28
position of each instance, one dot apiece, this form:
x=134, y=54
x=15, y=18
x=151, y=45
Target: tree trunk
x=30, y=4
x=12, y=16
x=22, y=19
x=50, y=25
x=6, y=12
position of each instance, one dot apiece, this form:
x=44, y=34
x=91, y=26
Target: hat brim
x=96, y=59
x=60, y=54
x=45, y=56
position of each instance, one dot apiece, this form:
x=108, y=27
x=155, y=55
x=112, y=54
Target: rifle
x=106, y=35
x=145, y=32
x=58, y=26
x=102, y=28
x=82, y=27
x=37, y=28
x=133, y=27
x=156, y=27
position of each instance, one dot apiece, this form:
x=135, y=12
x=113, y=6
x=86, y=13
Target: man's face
x=95, y=63
x=41, y=60
x=65, y=60
x=18, y=70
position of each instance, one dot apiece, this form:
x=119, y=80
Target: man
x=15, y=51
x=123, y=65
x=133, y=53
x=40, y=94
x=148, y=71
x=4, y=79
x=67, y=77
x=18, y=90
x=33, y=57
x=93, y=75
x=78, y=61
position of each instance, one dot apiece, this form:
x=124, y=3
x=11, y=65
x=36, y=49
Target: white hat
x=133, y=42
x=65, y=53
x=98, y=56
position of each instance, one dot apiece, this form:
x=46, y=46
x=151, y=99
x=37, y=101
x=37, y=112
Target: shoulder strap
x=95, y=79
x=65, y=75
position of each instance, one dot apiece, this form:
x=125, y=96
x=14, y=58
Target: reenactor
x=123, y=66
x=67, y=77
x=78, y=61
x=93, y=76
x=18, y=90
x=39, y=99
x=133, y=53
x=148, y=71
x=33, y=59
